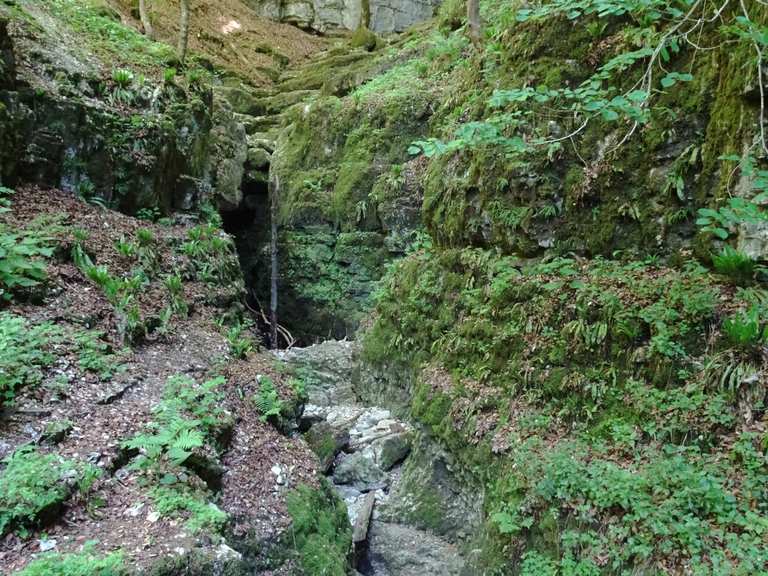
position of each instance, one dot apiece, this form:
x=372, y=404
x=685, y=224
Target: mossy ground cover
x=613, y=423
x=321, y=532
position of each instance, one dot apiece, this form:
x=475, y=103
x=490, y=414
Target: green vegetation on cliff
x=604, y=388
x=605, y=406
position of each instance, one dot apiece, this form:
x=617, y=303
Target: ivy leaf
x=594, y=105
x=523, y=15
x=610, y=115
x=668, y=81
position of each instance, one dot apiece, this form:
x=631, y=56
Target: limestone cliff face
x=323, y=15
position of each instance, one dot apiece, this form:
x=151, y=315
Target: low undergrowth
x=85, y=563
x=34, y=486
x=22, y=254
x=188, y=425
x=27, y=350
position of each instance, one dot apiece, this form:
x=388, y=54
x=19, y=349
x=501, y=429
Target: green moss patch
x=320, y=530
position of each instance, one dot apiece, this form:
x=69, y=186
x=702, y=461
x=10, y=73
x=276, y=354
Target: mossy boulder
x=364, y=38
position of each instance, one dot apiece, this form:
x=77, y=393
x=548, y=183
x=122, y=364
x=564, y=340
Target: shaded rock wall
x=61, y=126
x=323, y=15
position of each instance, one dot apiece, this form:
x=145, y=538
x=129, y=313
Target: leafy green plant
x=95, y=355
x=121, y=293
x=744, y=329
x=201, y=515
x=211, y=254
x=738, y=210
x=85, y=563
x=25, y=351
x=22, y=264
x=240, y=342
x=175, y=287
x=299, y=387
x=203, y=401
x=510, y=522
x=32, y=485
x=149, y=214
x=268, y=401
x=124, y=80
x=171, y=436
x=169, y=75
x=182, y=422
x=5, y=200
x=125, y=248
x=736, y=265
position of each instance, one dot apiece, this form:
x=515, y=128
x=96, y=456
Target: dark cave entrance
x=249, y=225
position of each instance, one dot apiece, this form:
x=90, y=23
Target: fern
x=267, y=401
x=174, y=437
x=184, y=419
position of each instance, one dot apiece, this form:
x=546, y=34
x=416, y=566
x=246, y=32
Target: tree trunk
x=473, y=18
x=365, y=14
x=274, y=185
x=184, y=30
x=145, y=20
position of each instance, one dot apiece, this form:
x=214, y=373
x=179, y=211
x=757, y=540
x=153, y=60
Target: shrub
x=24, y=353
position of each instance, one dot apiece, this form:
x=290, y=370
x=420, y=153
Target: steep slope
x=231, y=35
x=143, y=427
x=551, y=247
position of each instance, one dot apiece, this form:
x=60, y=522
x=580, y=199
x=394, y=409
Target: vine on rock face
x=662, y=28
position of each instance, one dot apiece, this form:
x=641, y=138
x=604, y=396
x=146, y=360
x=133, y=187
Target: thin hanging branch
x=274, y=193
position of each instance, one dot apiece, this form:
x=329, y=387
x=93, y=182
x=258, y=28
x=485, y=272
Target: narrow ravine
x=363, y=449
